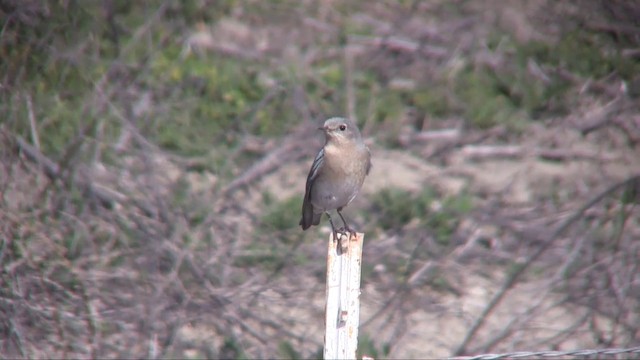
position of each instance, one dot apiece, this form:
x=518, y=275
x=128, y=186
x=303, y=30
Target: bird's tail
x=308, y=216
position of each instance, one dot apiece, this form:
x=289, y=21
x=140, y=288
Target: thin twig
x=52, y=170
x=32, y=121
x=291, y=150
x=515, y=276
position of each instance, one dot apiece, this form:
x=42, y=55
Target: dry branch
x=407, y=138
x=292, y=149
x=107, y=197
x=516, y=275
x=600, y=117
x=599, y=86
x=475, y=152
x=400, y=44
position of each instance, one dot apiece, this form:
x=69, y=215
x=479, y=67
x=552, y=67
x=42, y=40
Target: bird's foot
x=347, y=231
x=335, y=235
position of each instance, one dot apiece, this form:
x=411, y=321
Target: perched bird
x=337, y=173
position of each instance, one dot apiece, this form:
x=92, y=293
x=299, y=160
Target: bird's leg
x=346, y=226
x=333, y=228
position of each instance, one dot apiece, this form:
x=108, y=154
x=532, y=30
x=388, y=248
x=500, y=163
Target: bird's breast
x=342, y=175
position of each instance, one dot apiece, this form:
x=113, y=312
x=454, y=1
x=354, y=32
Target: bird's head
x=340, y=130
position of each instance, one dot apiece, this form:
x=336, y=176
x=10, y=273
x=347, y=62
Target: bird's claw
x=347, y=231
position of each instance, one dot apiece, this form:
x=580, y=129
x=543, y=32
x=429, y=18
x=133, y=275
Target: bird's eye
x=343, y=127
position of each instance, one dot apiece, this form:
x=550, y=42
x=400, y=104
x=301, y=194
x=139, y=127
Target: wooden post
x=344, y=261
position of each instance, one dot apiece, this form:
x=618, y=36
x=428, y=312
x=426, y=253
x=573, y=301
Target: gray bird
x=337, y=173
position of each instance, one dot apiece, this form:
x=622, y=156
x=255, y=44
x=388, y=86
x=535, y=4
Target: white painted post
x=344, y=262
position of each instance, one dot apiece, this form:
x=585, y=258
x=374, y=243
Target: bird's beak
x=321, y=128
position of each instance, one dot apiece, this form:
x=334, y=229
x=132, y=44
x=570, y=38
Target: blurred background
x=153, y=158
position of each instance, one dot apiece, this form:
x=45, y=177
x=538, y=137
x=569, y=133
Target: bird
x=337, y=173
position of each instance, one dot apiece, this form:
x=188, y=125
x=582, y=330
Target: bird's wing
x=313, y=172
x=308, y=216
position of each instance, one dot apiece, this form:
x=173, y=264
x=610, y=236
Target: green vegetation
x=281, y=215
x=203, y=104
x=488, y=101
x=112, y=96
x=396, y=208
x=367, y=347
x=231, y=349
x=287, y=351
x=198, y=102
x=512, y=94
x=587, y=54
x=440, y=215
